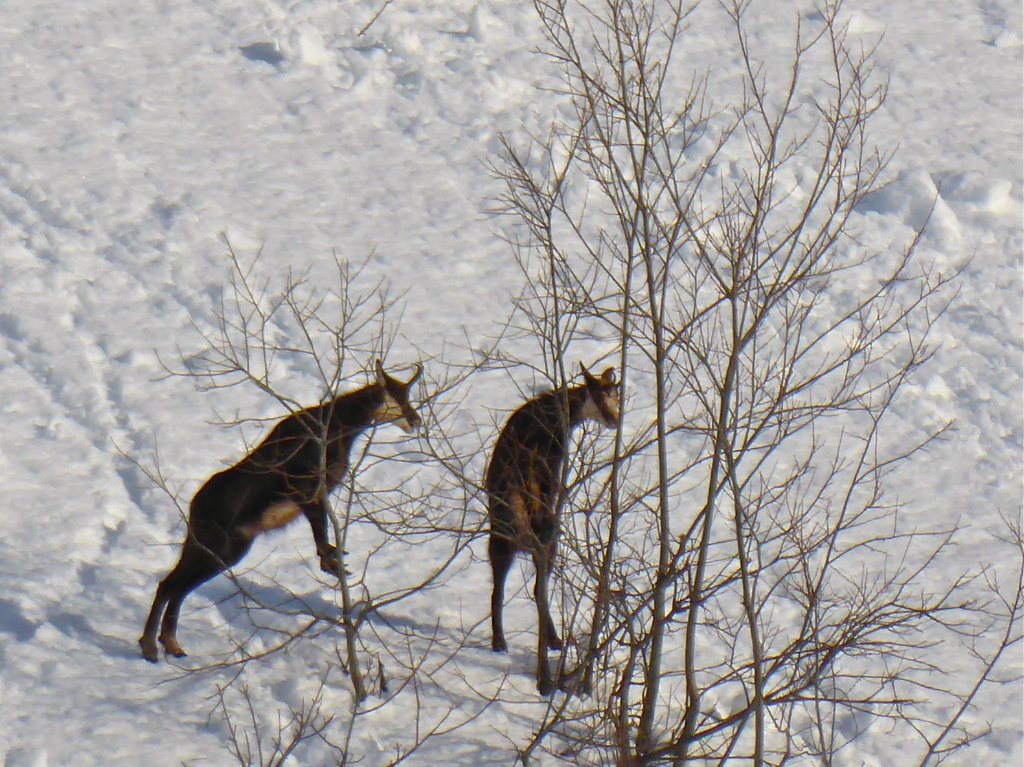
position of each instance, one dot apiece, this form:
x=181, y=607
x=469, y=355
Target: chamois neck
x=551, y=408
x=353, y=411
x=576, y=397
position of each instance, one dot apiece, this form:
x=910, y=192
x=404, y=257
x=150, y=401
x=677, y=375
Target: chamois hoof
x=149, y=650
x=171, y=647
x=330, y=569
x=330, y=562
x=555, y=643
x=498, y=645
x=563, y=683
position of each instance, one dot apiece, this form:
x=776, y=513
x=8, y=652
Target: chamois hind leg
x=169, y=590
x=544, y=562
x=194, y=569
x=190, y=562
x=501, y=554
x=547, y=637
x=148, y=639
x=199, y=563
x=203, y=564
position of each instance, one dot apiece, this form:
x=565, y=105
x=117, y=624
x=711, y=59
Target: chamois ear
x=586, y=375
x=608, y=377
x=378, y=369
x=416, y=375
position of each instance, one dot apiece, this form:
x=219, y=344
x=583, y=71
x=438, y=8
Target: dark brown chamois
x=523, y=487
x=289, y=473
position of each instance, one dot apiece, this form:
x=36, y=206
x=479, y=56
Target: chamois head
x=602, y=404
x=396, y=408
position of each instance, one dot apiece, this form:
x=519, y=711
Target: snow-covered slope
x=135, y=134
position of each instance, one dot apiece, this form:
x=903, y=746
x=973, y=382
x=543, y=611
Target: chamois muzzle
x=396, y=407
x=409, y=422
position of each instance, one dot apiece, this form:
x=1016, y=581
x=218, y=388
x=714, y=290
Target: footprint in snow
x=265, y=52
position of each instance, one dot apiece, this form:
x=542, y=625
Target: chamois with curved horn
x=523, y=484
x=291, y=472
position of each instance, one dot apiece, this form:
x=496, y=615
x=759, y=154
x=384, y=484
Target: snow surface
x=135, y=133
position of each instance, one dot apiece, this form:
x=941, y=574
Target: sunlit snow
x=135, y=136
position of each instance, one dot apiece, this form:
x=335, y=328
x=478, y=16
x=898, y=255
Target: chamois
x=523, y=486
x=291, y=472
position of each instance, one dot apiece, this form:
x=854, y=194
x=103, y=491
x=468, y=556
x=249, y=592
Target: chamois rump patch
x=275, y=517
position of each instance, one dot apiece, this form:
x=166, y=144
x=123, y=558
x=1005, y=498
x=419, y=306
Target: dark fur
x=231, y=508
x=523, y=485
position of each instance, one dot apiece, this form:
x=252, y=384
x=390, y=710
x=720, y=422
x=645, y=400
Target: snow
x=137, y=135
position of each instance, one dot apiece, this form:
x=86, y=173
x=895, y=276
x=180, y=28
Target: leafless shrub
x=250, y=743
x=751, y=588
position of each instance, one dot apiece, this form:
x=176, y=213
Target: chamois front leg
x=316, y=513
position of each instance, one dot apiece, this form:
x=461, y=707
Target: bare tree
x=755, y=589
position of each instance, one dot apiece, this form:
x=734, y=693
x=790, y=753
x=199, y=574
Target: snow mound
x=310, y=47
x=977, y=192
x=862, y=24
x=23, y=757
x=914, y=199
